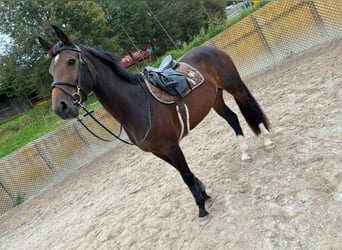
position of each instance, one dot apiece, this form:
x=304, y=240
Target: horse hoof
x=202, y=212
x=269, y=144
x=245, y=157
x=204, y=220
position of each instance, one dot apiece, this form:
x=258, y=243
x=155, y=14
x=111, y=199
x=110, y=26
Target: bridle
x=76, y=97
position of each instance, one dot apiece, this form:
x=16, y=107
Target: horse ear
x=45, y=45
x=62, y=36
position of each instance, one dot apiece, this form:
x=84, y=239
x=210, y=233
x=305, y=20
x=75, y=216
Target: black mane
x=109, y=59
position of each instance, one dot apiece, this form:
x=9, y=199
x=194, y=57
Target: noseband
x=76, y=97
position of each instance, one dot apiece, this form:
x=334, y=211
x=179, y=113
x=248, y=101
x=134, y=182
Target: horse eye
x=71, y=62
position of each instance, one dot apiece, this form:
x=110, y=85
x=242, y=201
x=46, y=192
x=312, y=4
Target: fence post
x=261, y=35
x=83, y=139
x=45, y=159
x=7, y=192
x=317, y=18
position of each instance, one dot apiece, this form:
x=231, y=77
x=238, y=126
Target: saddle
x=167, y=78
x=170, y=83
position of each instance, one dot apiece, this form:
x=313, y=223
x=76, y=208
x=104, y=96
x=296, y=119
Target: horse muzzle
x=65, y=110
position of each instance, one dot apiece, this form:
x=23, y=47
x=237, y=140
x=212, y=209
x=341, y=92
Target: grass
x=18, y=200
x=17, y=132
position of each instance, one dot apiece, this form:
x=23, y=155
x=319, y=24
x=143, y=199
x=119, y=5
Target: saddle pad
x=194, y=77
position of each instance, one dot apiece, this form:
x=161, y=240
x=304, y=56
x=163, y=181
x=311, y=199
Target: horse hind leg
x=253, y=114
x=268, y=143
x=225, y=112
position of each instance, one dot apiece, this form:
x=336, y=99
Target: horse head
x=71, y=82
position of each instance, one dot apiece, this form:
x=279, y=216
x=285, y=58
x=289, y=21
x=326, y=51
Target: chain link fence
x=42, y=162
x=278, y=30
x=268, y=36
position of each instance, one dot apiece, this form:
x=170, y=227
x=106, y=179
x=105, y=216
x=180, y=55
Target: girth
x=170, y=83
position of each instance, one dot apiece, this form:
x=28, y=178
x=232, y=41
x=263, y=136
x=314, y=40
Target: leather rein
x=77, y=98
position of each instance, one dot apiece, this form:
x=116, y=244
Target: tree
x=24, y=68
x=129, y=22
x=114, y=25
x=176, y=22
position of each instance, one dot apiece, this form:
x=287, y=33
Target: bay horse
x=150, y=125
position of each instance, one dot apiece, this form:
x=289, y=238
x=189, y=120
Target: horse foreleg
x=176, y=158
x=202, y=186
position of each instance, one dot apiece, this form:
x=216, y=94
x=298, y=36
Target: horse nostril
x=62, y=107
x=65, y=109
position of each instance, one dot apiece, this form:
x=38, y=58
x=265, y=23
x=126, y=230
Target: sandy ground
x=289, y=197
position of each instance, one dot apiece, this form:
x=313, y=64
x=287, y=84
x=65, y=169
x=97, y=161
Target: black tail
x=252, y=112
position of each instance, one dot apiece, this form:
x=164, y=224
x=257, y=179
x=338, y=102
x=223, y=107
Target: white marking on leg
x=243, y=147
x=265, y=134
